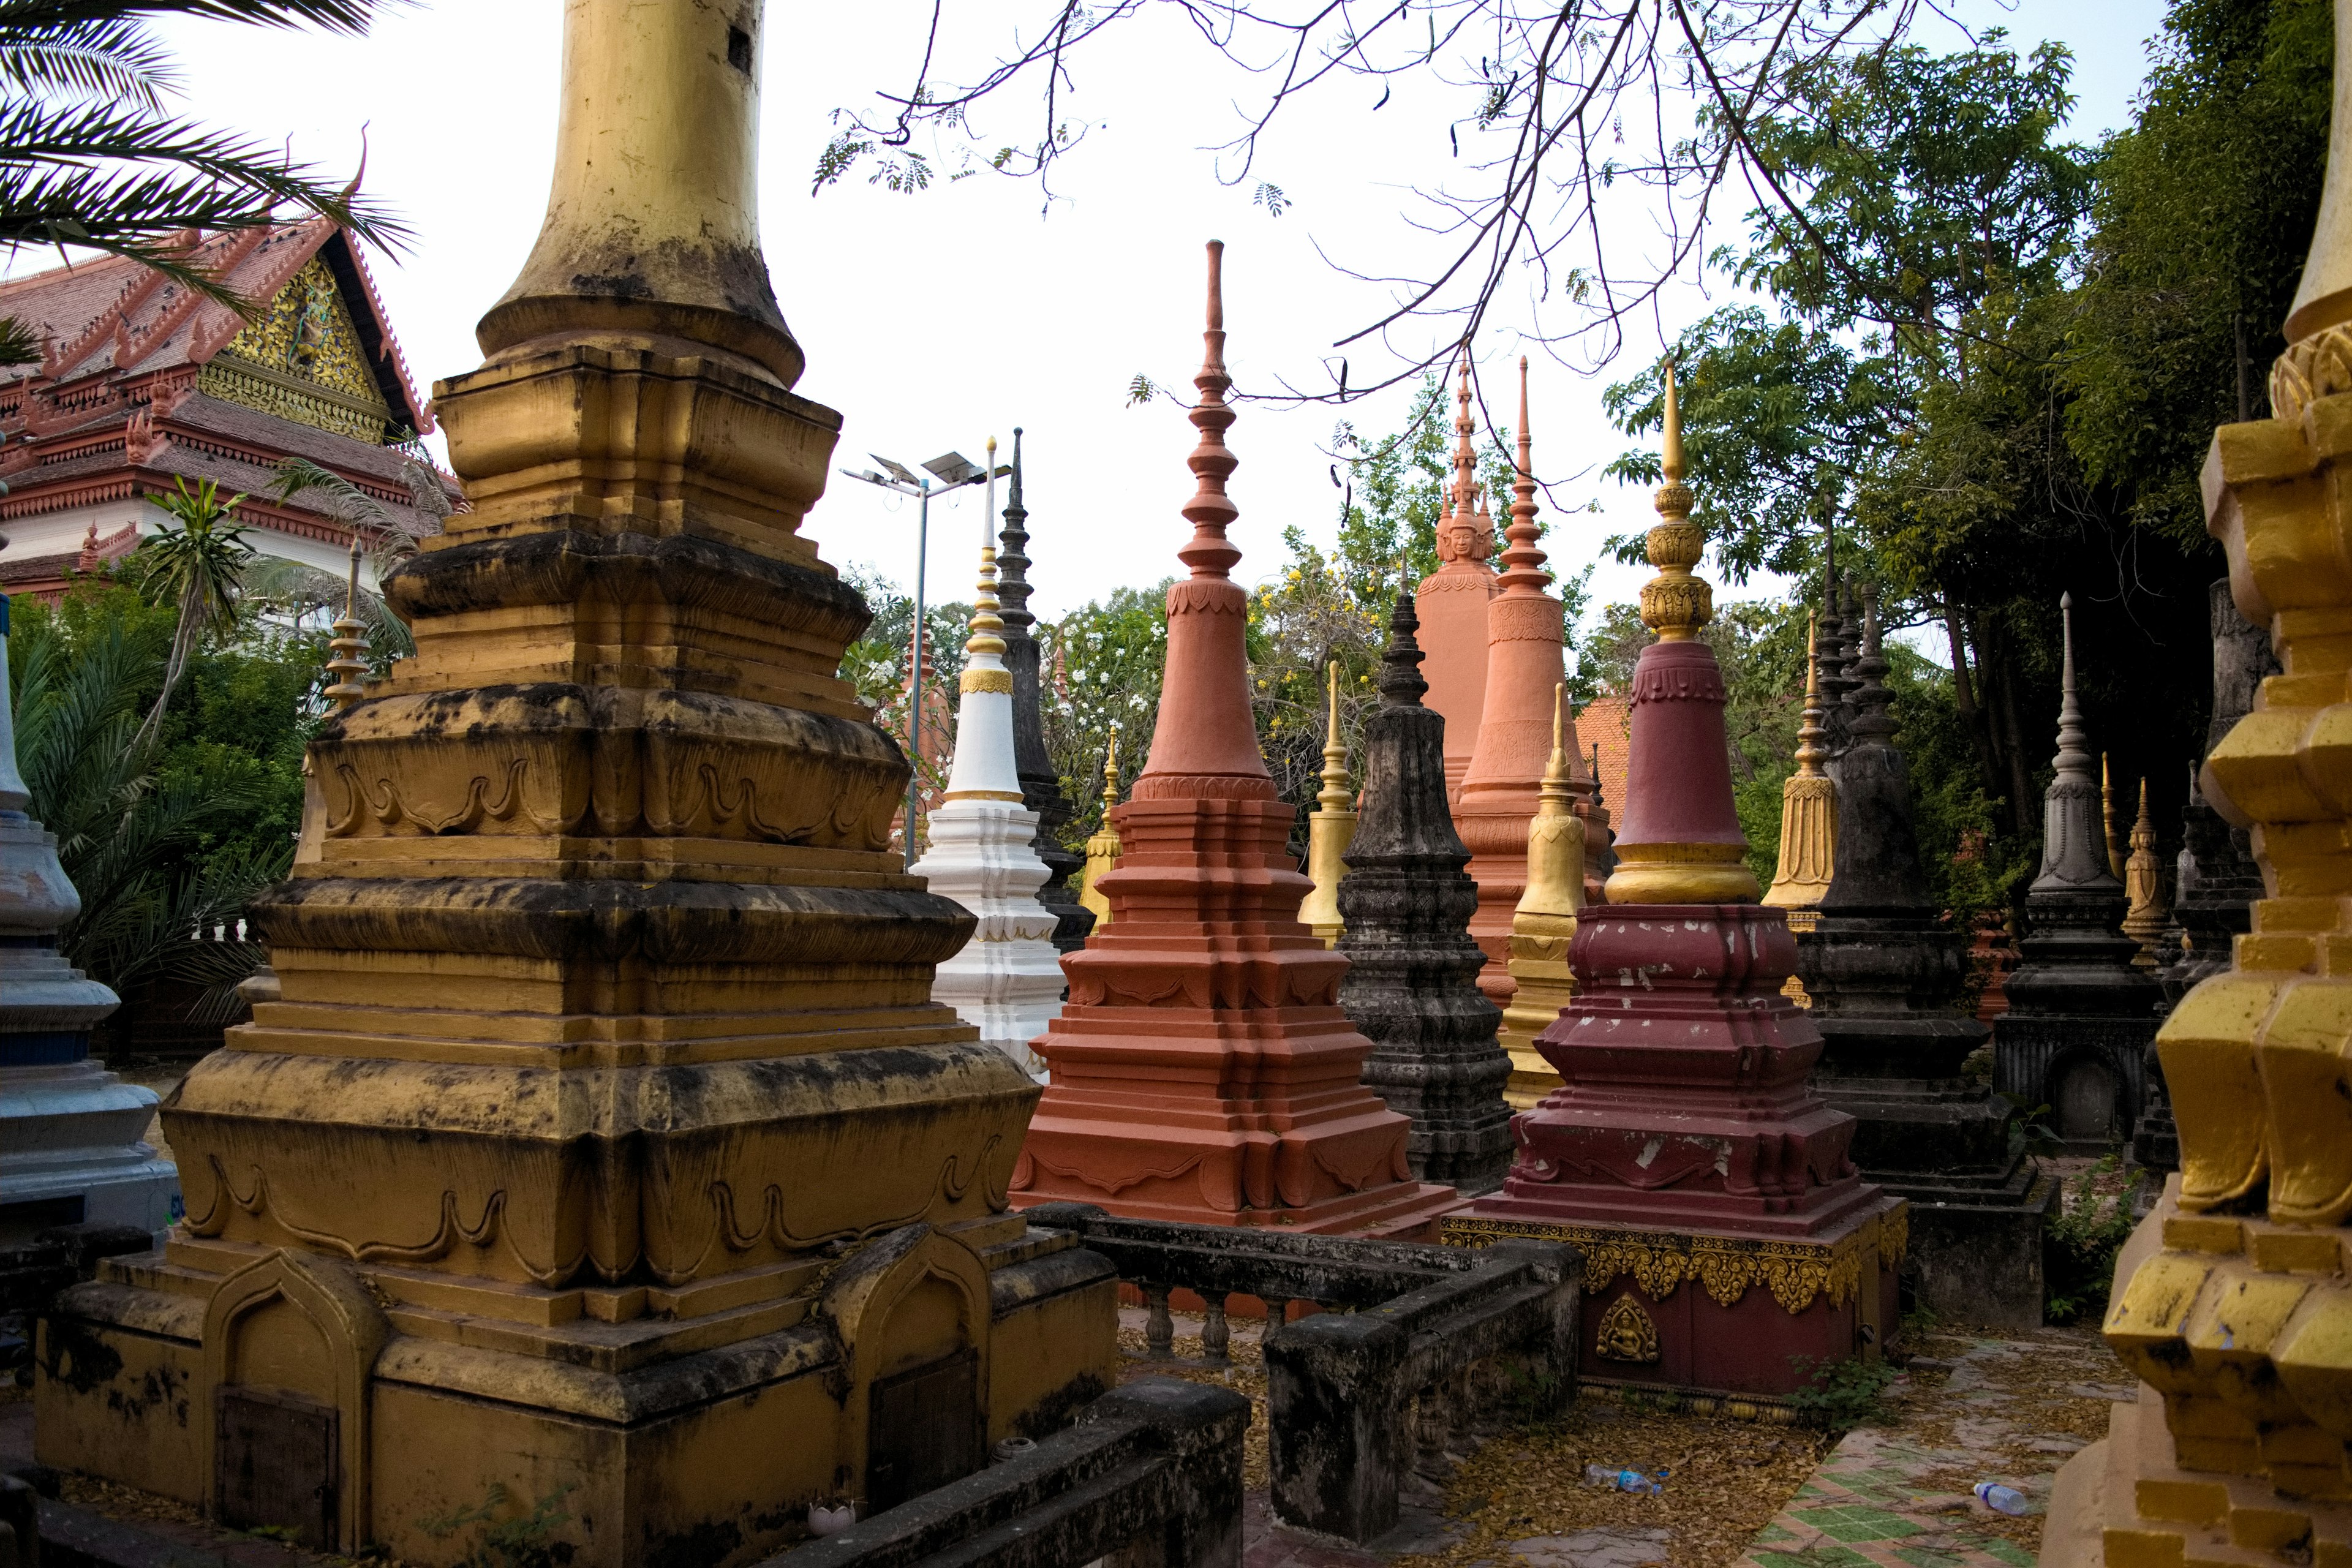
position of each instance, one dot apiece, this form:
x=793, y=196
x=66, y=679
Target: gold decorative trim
x=987, y=680
x=1798, y=1273
x=2315, y=367
x=981, y=795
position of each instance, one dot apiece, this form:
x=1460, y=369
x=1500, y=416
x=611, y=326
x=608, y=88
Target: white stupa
x=69, y=1131
x=1007, y=980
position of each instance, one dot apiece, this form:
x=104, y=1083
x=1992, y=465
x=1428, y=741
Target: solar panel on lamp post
x=949, y=472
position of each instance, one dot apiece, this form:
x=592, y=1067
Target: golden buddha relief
x=304, y=361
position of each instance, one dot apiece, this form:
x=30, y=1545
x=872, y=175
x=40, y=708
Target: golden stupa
x=605, y=1161
x=2231, y=1301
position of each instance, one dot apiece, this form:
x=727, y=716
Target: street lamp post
x=950, y=471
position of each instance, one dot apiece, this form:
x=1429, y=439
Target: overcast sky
x=934, y=320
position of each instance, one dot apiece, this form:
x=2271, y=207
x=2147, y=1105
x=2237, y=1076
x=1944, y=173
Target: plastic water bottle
x=2002, y=1498
x=1637, y=1483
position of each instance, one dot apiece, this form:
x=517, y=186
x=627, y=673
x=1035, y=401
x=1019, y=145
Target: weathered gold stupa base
x=702, y=1419
x=2235, y=1451
x=604, y=1167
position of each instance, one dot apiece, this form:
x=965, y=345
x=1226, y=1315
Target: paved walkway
x=1900, y=1496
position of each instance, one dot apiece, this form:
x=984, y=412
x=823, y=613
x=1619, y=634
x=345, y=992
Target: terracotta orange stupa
x=1452, y=602
x=1202, y=1070
x=1731, y=1247
x=1525, y=665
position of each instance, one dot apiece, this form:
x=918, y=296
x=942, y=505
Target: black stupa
x=1888, y=980
x=1041, y=786
x=1412, y=985
x=2080, y=1017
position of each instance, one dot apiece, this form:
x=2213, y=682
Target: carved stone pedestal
x=1727, y=1232
x=605, y=1161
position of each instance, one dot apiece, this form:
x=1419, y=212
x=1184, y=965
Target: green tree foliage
x=1999, y=361
x=2204, y=209
x=1777, y=420
x=175, y=833
x=197, y=566
x=1102, y=668
x=1933, y=189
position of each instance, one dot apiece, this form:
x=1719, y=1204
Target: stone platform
x=1725, y=1227
x=1719, y=1316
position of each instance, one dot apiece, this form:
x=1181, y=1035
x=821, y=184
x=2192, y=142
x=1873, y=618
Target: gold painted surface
x=2144, y=886
x=1683, y=874
x=605, y=1134
x=1675, y=604
x=2233, y=1302
x=1797, y=1273
x=1544, y=923
x=1626, y=1333
x=1102, y=846
x=1330, y=828
x=302, y=361
x=1809, y=807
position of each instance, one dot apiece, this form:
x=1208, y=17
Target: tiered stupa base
x=695, y=1422
x=2240, y=1460
x=1978, y=1209
x=1731, y=1247
x=1204, y=1071
x=70, y=1148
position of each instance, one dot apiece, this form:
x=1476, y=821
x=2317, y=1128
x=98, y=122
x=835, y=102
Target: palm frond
x=334, y=15
x=344, y=499
x=128, y=183
x=112, y=58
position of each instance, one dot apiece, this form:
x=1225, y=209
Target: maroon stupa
x=1732, y=1251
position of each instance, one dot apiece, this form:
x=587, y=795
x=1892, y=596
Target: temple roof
x=112, y=316
x=144, y=384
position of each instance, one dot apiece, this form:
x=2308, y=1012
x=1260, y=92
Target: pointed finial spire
x=1334, y=794
x=1553, y=796
x=1103, y=845
x=1675, y=604
x=985, y=647
x=1401, y=682
x=1013, y=553
x=349, y=645
x=1206, y=731
x=1330, y=829
x=1465, y=455
x=2073, y=739
x=1811, y=753
x=2074, y=856
x=1523, y=560
x=1870, y=696
x=1211, y=511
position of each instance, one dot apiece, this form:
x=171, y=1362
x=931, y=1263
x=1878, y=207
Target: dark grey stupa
x=2080, y=1017
x=2218, y=880
x=1041, y=786
x=1412, y=985
x=1836, y=655
x=1888, y=982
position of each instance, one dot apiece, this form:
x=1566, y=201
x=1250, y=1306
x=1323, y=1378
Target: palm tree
x=91, y=157
x=291, y=587
x=198, y=566
x=130, y=839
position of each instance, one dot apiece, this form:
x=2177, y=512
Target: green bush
x=1841, y=1393
x=2080, y=1244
